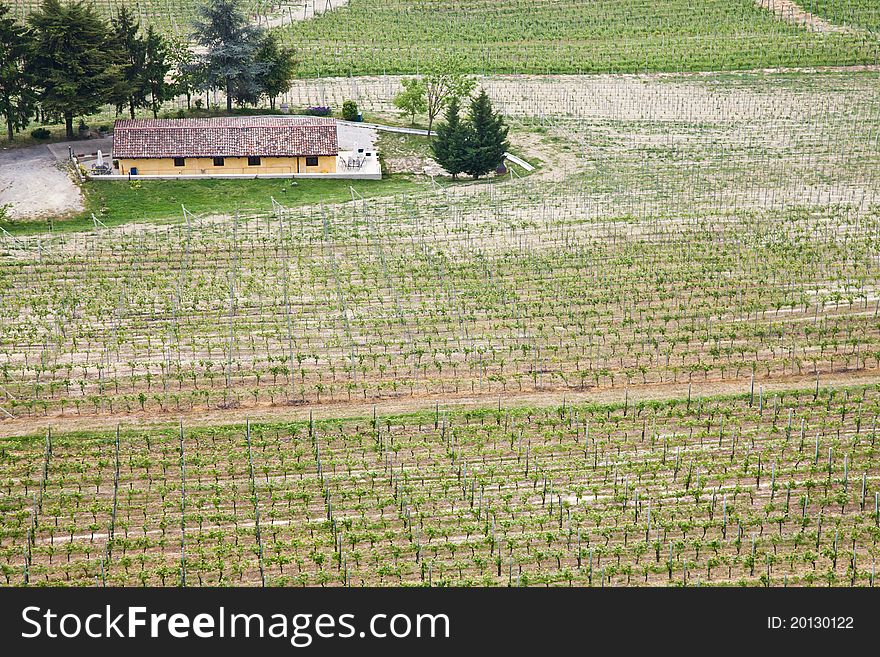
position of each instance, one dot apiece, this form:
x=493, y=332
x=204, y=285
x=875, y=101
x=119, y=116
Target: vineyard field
x=634, y=340
x=748, y=490
x=681, y=245
x=370, y=37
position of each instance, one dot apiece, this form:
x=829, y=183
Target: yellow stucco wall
x=232, y=165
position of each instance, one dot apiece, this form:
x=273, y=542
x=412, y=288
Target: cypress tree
x=452, y=143
x=489, y=137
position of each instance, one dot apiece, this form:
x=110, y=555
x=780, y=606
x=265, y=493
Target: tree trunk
x=430, y=124
x=68, y=125
x=154, y=100
x=131, y=108
x=229, y=95
x=188, y=101
x=9, y=126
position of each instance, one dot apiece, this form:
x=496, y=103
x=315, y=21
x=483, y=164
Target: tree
x=185, y=67
x=350, y=110
x=443, y=85
x=489, y=140
x=279, y=64
x=156, y=68
x=69, y=60
x=440, y=88
x=232, y=44
x=412, y=99
x=452, y=146
x=130, y=89
x=17, y=98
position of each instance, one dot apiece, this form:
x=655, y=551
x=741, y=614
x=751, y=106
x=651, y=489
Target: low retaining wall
x=243, y=176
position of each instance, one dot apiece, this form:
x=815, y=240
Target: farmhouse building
x=240, y=145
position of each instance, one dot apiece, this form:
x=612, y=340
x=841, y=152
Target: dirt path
x=34, y=184
x=396, y=406
x=792, y=12
x=299, y=11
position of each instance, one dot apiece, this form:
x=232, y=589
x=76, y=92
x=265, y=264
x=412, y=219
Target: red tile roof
x=235, y=136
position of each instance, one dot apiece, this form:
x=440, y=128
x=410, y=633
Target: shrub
x=350, y=110
x=319, y=111
x=41, y=133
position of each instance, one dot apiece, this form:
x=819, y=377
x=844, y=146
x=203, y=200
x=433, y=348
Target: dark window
x=179, y=162
x=219, y=161
x=253, y=161
x=312, y=161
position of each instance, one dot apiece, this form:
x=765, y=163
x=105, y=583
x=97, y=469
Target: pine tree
x=17, y=98
x=451, y=147
x=69, y=59
x=489, y=140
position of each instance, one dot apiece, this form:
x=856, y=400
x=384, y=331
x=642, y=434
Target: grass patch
x=392, y=144
x=121, y=202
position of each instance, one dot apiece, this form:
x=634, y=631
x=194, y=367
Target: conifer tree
x=69, y=59
x=489, y=137
x=232, y=43
x=451, y=147
x=17, y=97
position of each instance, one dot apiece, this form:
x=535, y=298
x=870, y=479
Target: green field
x=862, y=14
x=120, y=202
x=717, y=491
x=652, y=361
x=553, y=36
x=523, y=36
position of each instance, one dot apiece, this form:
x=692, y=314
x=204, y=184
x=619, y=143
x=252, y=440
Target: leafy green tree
x=441, y=86
x=489, y=139
x=232, y=43
x=349, y=110
x=452, y=146
x=186, y=70
x=279, y=64
x=412, y=99
x=69, y=59
x=17, y=97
